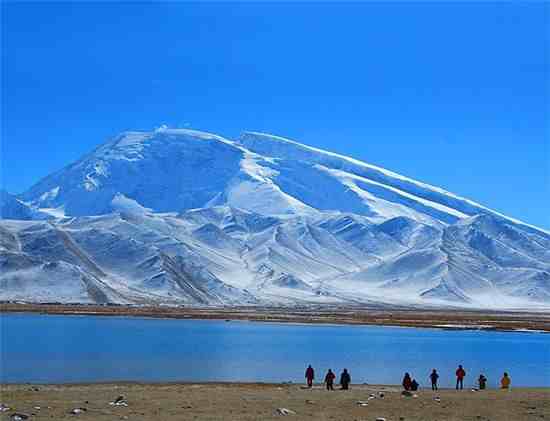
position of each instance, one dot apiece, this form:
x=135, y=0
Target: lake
x=54, y=349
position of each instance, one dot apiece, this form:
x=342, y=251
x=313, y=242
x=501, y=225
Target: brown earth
x=360, y=315
x=164, y=402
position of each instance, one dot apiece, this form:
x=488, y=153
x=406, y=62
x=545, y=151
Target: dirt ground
x=164, y=402
x=464, y=319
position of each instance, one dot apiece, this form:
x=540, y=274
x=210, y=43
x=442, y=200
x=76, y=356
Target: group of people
x=460, y=373
x=345, y=378
x=409, y=383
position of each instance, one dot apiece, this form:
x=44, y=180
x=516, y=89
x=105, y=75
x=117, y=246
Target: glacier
x=184, y=217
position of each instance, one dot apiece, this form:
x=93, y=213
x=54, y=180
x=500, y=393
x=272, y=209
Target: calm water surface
x=51, y=349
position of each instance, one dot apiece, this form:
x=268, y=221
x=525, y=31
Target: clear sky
x=453, y=94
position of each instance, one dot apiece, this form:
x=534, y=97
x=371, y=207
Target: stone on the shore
x=285, y=411
x=18, y=416
x=120, y=401
x=4, y=408
x=77, y=411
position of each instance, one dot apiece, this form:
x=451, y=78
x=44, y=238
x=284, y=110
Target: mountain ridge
x=179, y=216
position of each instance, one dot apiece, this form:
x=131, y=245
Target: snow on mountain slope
x=181, y=216
x=12, y=207
x=222, y=255
x=444, y=201
x=164, y=171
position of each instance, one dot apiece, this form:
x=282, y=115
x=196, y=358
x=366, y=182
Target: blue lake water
x=52, y=349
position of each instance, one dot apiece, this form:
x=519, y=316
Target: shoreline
x=317, y=385
x=360, y=316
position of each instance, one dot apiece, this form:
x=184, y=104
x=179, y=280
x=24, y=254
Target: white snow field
x=179, y=216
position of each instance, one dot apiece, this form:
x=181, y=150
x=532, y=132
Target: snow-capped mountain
x=181, y=216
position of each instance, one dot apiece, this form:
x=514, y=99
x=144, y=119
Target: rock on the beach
x=17, y=416
x=4, y=408
x=380, y=419
x=120, y=401
x=285, y=411
x=77, y=411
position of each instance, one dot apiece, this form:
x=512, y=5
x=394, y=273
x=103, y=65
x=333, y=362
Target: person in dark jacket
x=310, y=375
x=434, y=377
x=407, y=381
x=482, y=381
x=414, y=385
x=329, y=379
x=345, y=379
x=460, y=374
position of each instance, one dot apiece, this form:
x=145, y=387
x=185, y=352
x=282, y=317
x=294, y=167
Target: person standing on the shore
x=460, y=374
x=345, y=379
x=310, y=375
x=434, y=377
x=505, y=381
x=407, y=381
x=329, y=379
x=482, y=381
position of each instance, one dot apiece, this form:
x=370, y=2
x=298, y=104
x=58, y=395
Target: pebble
x=77, y=411
x=285, y=411
x=119, y=401
x=17, y=416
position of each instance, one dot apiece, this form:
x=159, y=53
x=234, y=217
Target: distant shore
x=249, y=401
x=443, y=319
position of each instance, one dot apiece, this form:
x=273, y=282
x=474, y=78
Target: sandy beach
x=163, y=402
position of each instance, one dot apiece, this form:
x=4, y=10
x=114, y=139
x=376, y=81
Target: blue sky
x=453, y=94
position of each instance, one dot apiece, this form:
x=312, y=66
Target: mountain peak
x=189, y=216
x=171, y=170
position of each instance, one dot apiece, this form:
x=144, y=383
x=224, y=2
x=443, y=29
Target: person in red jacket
x=460, y=374
x=329, y=379
x=407, y=382
x=310, y=375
